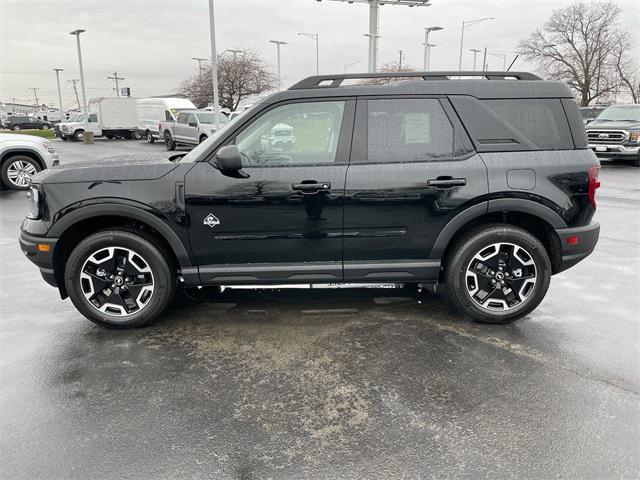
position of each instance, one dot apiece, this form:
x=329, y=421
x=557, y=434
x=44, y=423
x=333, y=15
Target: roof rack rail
x=334, y=81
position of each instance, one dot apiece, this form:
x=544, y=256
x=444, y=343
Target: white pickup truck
x=190, y=128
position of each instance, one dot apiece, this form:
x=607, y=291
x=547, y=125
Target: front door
x=412, y=170
x=283, y=222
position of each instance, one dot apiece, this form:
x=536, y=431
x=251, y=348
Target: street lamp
x=349, y=65
x=214, y=67
x=429, y=46
x=465, y=24
x=475, y=56
x=500, y=55
x=314, y=36
x=84, y=92
x=199, y=60
x=425, y=64
x=278, y=43
x=235, y=52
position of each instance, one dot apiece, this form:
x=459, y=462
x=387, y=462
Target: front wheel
x=17, y=171
x=78, y=136
x=497, y=273
x=169, y=142
x=150, y=137
x=118, y=278
x=16, y=128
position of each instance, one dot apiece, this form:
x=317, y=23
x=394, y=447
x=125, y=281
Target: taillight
x=594, y=184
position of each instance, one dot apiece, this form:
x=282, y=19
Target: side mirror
x=228, y=159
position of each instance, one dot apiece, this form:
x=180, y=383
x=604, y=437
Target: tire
x=202, y=138
x=636, y=162
x=150, y=137
x=16, y=128
x=169, y=142
x=43, y=127
x=17, y=171
x=477, y=249
x=110, y=137
x=136, y=135
x=78, y=135
x=64, y=139
x=147, y=257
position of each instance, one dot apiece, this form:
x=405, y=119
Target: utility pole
x=58, y=70
x=314, y=36
x=35, y=94
x=278, y=43
x=484, y=60
x=116, y=78
x=199, y=60
x=400, y=61
x=85, y=107
x=214, y=67
x=475, y=55
x=75, y=90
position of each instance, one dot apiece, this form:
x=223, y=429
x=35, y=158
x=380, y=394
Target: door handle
x=311, y=187
x=446, y=182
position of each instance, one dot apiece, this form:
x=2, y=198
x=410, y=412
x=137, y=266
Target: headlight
x=34, y=203
x=634, y=136
x=48, y=147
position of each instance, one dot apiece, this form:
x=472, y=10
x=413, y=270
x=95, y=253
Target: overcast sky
x=151, y=42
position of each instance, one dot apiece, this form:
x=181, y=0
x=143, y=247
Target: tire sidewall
x=164, y=283
x=4, y=173
x=468, y=248
x=169, y=142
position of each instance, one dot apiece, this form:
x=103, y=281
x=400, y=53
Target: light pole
x=278, y=43
x=465, y=24
x=425, y=64
x=199, y=60
x=58, y=70
x=84, y=91
x=235, y=52
x=349, y=65
x=214, y=68
x=475, y=56
x=502, y=56
x=429, y=46
x=314, y=36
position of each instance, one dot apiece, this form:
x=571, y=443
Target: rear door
x=281, y=220
x=412, y=170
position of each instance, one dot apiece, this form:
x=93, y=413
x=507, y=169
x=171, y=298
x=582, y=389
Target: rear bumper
x=587, y=239
x=614, y=150
x=43, y=260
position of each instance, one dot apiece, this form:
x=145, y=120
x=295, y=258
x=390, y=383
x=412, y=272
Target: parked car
x=152, y=111
x=22, y=156
x=190, y=128
x=616, y=133
x=59, y=127
x=109, y=117
x=589, y=114
x=485, y=185
x=24, y=122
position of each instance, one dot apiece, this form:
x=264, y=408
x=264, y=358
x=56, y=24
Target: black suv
x=485, y=184
x=20, y=122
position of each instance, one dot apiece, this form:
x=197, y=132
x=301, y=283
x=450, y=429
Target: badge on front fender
x=211, y=220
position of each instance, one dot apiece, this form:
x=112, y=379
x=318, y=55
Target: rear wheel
x=17, y=172
x=16, y=128
x=169, y=142
x=120, y=279
x=497, y=273
x=150, y=137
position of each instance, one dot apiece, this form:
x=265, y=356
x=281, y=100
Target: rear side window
x=542, y=121
x=408, y=130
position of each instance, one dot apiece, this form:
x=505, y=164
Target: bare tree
x=388, y=68
x=625, y=68
x=239, y=76
x=577, y=45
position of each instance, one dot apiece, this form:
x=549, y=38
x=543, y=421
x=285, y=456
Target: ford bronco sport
x=482, y=181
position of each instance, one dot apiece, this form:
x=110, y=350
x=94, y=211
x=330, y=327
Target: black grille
x=605, y=136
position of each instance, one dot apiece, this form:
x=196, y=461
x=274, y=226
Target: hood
x=609, y=125
x=118, y=169
x=17, y=137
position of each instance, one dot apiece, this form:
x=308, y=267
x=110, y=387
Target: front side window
x=93, y=117
x=167, y=116
x=191, y=119
x=408, y=130
x=182, y=118
x=294, y=134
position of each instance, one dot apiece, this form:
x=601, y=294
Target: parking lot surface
x=315, y=383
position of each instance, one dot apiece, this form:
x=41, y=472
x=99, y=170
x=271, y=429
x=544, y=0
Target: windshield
x=620, y=114
x=201, y=149
x=209, y=118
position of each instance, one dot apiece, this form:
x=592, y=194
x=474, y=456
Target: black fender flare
x=491, y=206
x=128, y=211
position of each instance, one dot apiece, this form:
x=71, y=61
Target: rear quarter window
x=542, y=121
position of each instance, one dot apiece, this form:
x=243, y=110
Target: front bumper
x=587, y=238
x=614, y=150
x=42, y=259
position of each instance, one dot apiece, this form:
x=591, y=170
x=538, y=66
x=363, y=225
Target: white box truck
x=152, y=111
x=108, y=117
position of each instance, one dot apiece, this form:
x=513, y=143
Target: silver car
x=22, y=156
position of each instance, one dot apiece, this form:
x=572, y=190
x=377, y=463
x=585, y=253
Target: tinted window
x=167, y=115
x=295, y=134
x=93, y=117
x=540, y=120
x=408, y=130
x=182, y=118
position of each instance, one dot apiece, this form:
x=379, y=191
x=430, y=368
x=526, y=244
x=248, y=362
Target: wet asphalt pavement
x=322, y=384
